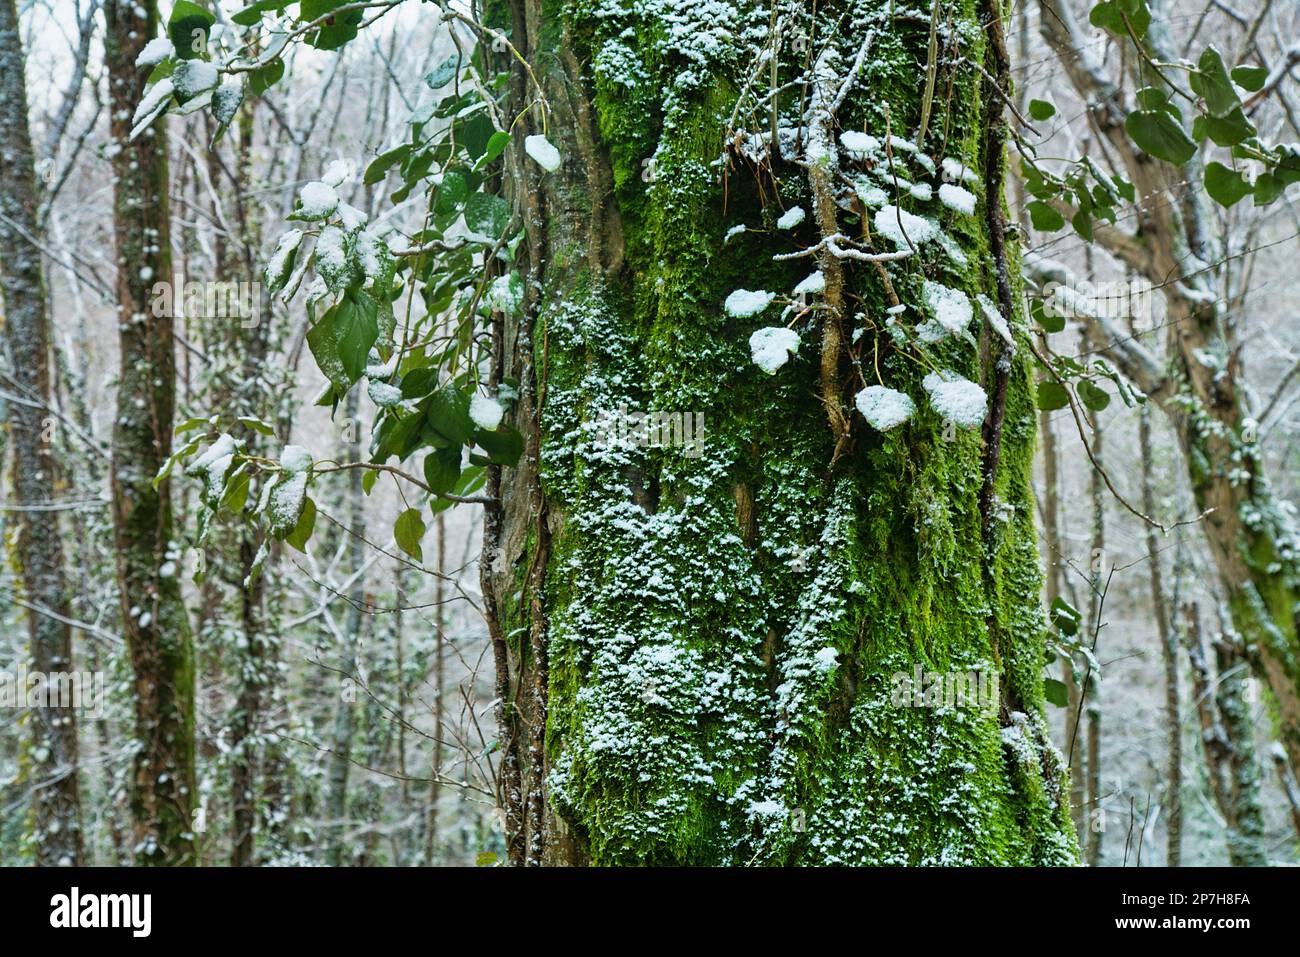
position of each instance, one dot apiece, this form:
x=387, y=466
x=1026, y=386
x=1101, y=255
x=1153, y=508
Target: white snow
x=384, y=395
x=744, y=303
x=859, y=144
x=318, y=200
x=337, y=173
x=192, y=77
x=151, y=104
x=915, y=228
x=814, y=283
x=884, y=408
x=791, y=218
x=955, y=171
x=826, y=659
x=331, y=257
x=955, y=197
x=506, y=294
x=214, y=463
x=351, y=217
x=922, y=191
x=226, y=100
x=872, y=196
x=772, y=346
x=766, y=809
x=951, y=307
x=995, y=320
x=542, y=152
x=286, y=499
x=155, y=51
x=956, y=399
x=277, y=265
x=485, y=413
x=733, y=232
x=294, y=458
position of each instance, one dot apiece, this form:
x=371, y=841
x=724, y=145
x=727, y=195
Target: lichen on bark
x=722, y=630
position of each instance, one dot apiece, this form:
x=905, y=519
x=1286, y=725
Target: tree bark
x=1168, y=653
x=38, y=547
x=1097, y=584
x=1228, y=739
x=669, y=621
x=148, y=557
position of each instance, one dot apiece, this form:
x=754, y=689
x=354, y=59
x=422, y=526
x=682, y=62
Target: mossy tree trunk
x=702, y=647
x=38, y=549
x=148, y=556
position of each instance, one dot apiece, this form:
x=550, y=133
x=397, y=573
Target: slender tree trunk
x=1053, y=590
x=38, y=547
x=439, y=689
x=153, y=617
x=1097, y=585
x=345, y=715
x=703, y=673
x=253, y=390
x=1168, y=653
x=1228, y=740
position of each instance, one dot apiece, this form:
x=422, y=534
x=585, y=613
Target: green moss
x=694, y=713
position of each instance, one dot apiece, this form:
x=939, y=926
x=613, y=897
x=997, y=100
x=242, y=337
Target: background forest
x=346, y=701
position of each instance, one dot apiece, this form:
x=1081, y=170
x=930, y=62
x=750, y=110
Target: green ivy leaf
x=1055, y=692
x=1226, y=186
x=452, y=192
x=1250, y=78
x=356, y=327
x=504, y=446
x=265, y=77
x=408, y=530
x=251, y=15
x=1211, y=81
x=448, y=414
x=322, y=340
x=487, y=215
x=1158, y=134
x=188, y=27
x=1092, y=396
x=1052, y=396
x=1065, y=617
x=1267, y=188
x=1045, y=217
x=1154, y=98
x=183, y=452
x=1041, y=110
x=1224, y=130
x=235, y=495
x=442, y=469
x=1082, y=223
x=495, y=145
x=336, y=31
x=1050, y=322
x=419, y=382
x=301, y=532
x=443, y=73
x=381, y=164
